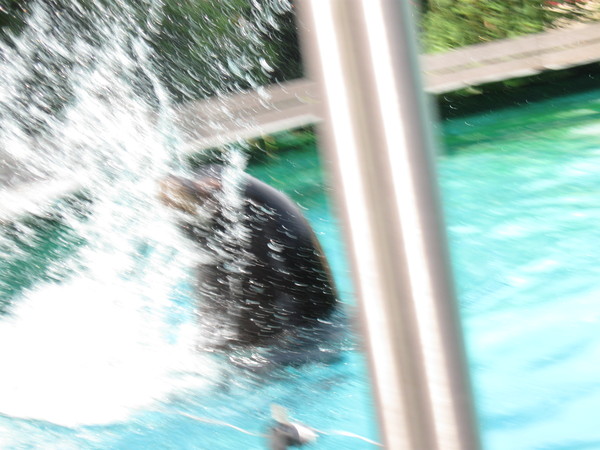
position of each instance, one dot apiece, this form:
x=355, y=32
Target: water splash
x=81, y=100
x=226, y=248
x=90, y=353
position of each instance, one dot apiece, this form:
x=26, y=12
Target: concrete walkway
x=279, y=107
x=511, y=58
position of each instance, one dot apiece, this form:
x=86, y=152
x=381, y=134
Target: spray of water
x=80, y=100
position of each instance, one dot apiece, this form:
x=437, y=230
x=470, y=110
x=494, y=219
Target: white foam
x=86, y=353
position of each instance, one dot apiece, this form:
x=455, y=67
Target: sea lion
x=266, y=276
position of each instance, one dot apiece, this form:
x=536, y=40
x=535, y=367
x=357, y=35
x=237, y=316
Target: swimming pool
x=93, y=360
x=87, y=366
x=521, y=191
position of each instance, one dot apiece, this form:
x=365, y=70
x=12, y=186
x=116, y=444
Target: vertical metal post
x=378, y=145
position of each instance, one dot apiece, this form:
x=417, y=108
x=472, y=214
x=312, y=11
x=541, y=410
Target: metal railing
x=377, y=141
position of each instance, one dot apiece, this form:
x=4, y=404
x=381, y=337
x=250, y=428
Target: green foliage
x=12, y=13
x=205, y=47
x=260, y=150
x=268, y=148
x=201, y=47
x=449, y=24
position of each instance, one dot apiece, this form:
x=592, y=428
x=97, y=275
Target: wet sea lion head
x=189, y=196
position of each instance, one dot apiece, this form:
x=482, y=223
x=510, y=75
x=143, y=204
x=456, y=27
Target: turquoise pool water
x=520, y=192
x=93, y=364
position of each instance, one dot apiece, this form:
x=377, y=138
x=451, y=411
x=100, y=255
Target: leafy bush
x=449, y=24
x=205, y=47
x=201, y=47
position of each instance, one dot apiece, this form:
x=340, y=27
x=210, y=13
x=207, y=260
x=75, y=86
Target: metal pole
x=378, y=144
